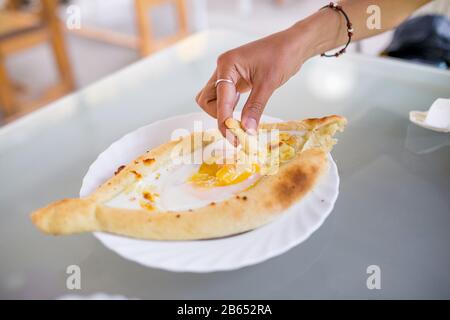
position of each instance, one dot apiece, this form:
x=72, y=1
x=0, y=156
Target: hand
x=264, y=65
x=261, y=66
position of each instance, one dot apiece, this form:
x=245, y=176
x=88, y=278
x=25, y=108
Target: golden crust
x=306, y=124
x=245, y=211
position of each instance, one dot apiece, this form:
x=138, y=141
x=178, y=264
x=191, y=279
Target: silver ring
x=223, y=80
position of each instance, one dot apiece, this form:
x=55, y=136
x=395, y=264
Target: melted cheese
x=190, y=186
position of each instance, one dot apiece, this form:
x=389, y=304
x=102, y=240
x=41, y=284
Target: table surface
x=393, y=210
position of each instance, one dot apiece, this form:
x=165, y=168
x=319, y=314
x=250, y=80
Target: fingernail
x=250, y=125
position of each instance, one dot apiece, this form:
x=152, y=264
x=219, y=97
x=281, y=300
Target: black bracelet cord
x=339, y=9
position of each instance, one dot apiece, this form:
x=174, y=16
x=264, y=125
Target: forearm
x=326, y=29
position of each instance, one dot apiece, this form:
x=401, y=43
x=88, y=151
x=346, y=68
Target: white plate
x=275, y=238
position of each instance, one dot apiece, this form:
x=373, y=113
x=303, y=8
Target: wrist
x=318, y=33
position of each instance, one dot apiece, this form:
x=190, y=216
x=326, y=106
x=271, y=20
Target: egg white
x=173, y=189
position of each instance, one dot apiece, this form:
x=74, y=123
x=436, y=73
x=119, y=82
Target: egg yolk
x=219, y=175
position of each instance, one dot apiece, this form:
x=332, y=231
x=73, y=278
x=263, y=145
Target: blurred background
x=49, y=48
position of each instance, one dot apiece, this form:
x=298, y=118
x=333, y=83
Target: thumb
x=254, y=107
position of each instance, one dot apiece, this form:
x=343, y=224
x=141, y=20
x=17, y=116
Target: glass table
x=393, y=210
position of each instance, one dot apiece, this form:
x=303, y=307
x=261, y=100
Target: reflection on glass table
x=393, y=209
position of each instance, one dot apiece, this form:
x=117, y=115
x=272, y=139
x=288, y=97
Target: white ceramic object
x=437, y=118
x=275, y=238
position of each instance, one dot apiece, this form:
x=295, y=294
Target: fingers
x=227, y=95
x=243, y=86
x=206, y=98
x=220, y=101
x=226, y=102
x=254, y=107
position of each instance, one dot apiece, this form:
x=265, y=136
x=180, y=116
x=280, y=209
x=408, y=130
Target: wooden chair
x=147, y=42
x=144, y=42
x=21, y=30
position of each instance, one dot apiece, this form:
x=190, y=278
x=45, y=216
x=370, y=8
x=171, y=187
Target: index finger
x=227, y=97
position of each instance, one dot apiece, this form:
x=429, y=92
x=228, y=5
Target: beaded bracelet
x=339, y=9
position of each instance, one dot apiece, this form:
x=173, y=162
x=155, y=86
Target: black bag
x=423, y=39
